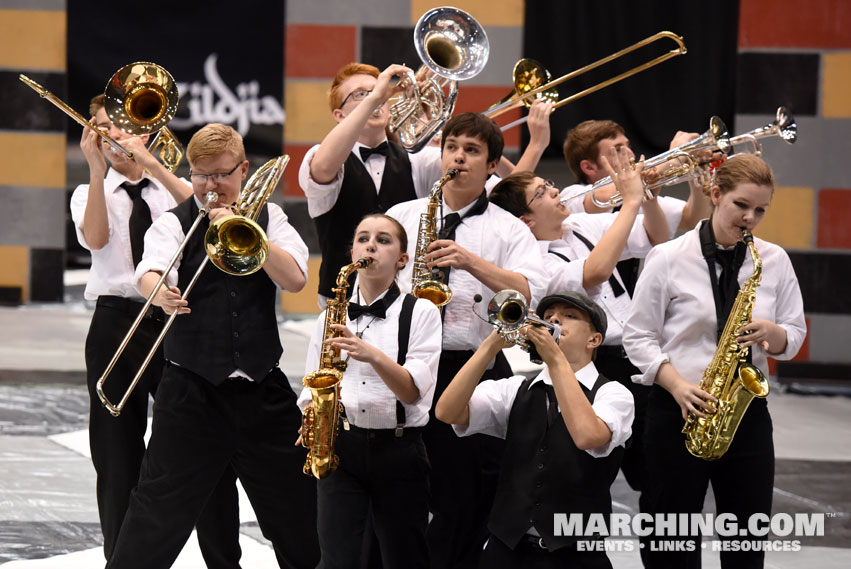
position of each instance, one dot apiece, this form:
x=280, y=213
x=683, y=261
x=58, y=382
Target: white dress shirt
x=425, y=171
x=496, y=236
x=673, y=313
x=166, y=234
x=490, y=407
x=369, y=403
x=112, y=265
x=569, y=276
x=671, y=207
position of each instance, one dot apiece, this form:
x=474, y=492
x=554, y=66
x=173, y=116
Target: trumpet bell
x=785, y=124
x=141, y=98
x=236, y=245
x=508, y=310
x=451, y=43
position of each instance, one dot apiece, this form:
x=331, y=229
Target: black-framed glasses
x=541, y=190
x=216, y=178
x=357, y=95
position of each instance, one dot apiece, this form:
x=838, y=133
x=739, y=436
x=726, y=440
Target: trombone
x=532, y=80
x=235, y=244
x=688, y=159
x=140, y=98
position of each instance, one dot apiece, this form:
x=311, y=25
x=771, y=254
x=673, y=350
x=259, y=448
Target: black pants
x=612, y=362
x=384, y=475
x=742, y=480
x=117, y=443
x=464, y=472
x=529, y=555
x=199, y=429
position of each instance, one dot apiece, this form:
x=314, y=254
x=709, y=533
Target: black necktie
x=726, y=287
x=140, y=218
x=552, y=402
x=452, y=220
x=377, y=308
x=366, y=152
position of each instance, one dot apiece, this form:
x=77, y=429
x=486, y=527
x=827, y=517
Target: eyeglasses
x=357, y=95
x=215, y=178
x=541, y=190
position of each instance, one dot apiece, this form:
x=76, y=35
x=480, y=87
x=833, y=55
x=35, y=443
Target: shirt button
x=363, y=410
x=363, y=382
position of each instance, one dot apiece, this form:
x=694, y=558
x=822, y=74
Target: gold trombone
x=235, y=244
x=140, y=98
x=532, y=80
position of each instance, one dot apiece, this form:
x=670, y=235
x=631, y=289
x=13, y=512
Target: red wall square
x=314, y=51
x=834, y=211
x=289, y=184
x=795, y=23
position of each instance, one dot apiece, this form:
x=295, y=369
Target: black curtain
x=226, y=57
x=679, y=94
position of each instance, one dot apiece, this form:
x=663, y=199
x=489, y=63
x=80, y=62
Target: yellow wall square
x=789, y=221
x=15, y=267
x=487, y=12
x=304, y=302
x=32, y=159
x=836, y=89
x=308, y=116
x=33, y=39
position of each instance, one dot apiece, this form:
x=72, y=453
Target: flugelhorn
x=453, y=47
x=686, y=162
x=235, y=244
x=526, y=90
x=509, y=312
x=140, y=98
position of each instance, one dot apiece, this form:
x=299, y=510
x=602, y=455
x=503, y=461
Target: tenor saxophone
x=729, y=378
x=321, y=420
x=425, y=283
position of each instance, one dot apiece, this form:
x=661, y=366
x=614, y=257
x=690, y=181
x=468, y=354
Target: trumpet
x=509, y=312
x=140, y=98
x=687, y=162
x=531, y=80
x=235, y=244
x=783, y=125
x=453, y=47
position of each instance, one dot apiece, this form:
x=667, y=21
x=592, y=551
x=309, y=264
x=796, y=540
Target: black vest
x=232, y=324
x=358, y=198
x=544, y=474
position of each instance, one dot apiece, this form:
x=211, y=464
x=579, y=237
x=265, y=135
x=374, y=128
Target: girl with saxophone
x=671, y=335
x=391, y=343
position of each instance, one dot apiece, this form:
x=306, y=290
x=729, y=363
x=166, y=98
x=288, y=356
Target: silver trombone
x=509, y=312
x=236, y=244
x=687, y=160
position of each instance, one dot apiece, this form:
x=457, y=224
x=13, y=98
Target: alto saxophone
x=321, y=420
x=729, y=378
x=425, y=282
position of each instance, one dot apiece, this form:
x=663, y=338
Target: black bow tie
x=378, y=308
x=382, y=149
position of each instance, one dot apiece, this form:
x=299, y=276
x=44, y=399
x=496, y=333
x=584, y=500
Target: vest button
x=531, y=520
x=537, y=504
x=236, y=334
x=233, y=314
x=233, y=293
x=236, y=354
x=538, y=484
x=540, y=466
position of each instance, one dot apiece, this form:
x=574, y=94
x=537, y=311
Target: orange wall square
x=795, y=23
x=314, y=51
x=834, y=209
x=477, y=98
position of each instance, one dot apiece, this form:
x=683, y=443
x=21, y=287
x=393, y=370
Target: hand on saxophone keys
x=448, y=253
x=353, y=345
x=763, y=333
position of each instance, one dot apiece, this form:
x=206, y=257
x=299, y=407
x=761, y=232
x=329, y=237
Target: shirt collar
x=114, y=179
x=587, y=376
